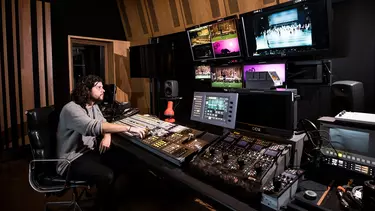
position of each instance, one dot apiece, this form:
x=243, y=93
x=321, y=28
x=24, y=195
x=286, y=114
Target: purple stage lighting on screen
x=228, y=46
x=279, y=68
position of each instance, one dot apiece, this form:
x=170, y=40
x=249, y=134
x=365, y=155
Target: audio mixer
x=243, y=162
x=170, y=141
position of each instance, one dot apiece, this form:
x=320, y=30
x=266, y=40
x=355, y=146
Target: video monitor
x=200, y=41
x=224, y=39
x=217, y=39
x=202, y=72
x=278, y=68
x=284, y=29
x=269, y=112
x=227, y=76
x=290, y=29
x=215, y=108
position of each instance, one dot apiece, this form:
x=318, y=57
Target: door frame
x=108, y=55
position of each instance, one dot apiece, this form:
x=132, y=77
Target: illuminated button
x=344, y=156
x=353, y=158
x=367, y=161
x=348, y=157
x=331, y=153
x=363, y=161
x=373, y=163
x=327, y=152
x=358, y=159
x=340, y=154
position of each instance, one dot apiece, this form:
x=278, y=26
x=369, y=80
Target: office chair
x=43, y=178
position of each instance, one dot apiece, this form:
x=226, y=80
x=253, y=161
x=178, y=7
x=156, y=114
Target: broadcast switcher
x=172, y=142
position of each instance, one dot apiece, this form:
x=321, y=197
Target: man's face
x=97, y=92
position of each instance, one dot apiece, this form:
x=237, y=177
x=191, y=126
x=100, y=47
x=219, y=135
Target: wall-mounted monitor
x=279, y=68
x=214, y=40
x=294, y=28
x=202, y=71
x=228, y=76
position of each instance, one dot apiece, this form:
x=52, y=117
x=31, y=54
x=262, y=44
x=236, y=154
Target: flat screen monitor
x=202, y=71
x=215, y=40
x=279, y=68
x=268, y=112
x=215, y=108
x=290, y=29
x=227, y=76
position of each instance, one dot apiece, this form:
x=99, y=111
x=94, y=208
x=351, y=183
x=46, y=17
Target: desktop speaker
x=347, y=95
x=171, y=88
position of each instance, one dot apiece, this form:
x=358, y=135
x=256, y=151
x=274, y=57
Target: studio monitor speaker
x=171, y=88
x=347, y=95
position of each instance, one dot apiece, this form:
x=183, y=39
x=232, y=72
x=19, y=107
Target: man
x=82, y=129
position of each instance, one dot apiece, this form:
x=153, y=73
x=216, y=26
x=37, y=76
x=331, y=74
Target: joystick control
x=241, y=163
x=225, y=157
x=212, y=151
x=258, y=169
x=276, y=185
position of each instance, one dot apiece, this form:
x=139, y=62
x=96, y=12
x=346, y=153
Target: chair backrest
x=42, y=126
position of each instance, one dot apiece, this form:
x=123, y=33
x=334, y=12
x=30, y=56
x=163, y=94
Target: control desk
x=172, y=142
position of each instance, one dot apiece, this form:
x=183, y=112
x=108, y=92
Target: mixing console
x=243, y=162
x=172, y=142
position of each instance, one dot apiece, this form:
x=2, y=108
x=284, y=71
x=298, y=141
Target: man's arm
x=114, y=128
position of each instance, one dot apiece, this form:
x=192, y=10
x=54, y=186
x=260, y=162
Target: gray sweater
x=77, y=132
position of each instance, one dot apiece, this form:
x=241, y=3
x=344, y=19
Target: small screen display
x=224, y=39
x=203, y=72
x=256, y=147
x=288, y=28
x=278, y=68
x=242, y=143
x=271, y=153
x=217, y=40
x=227, y=77
x=351, y=141
x=216, y=108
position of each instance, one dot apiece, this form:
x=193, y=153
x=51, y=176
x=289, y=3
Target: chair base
x=71, y=204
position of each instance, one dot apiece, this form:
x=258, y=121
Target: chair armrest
x=31, y=167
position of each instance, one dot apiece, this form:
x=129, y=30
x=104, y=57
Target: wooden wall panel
x=26, y=55
x=48, y=48
x=283, y=1
x=42, y=71
x=15, y=60
x=165, y=16
x=201, y=11
x=23, y=32
x=135, y=20
x=5, y=78
x=251, y=5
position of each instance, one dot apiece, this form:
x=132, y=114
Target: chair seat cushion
x=53, y=182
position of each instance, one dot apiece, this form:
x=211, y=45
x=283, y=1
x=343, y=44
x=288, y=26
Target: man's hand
x=138, y=131
x=105, y=143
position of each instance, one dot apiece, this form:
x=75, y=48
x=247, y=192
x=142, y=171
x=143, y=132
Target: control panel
x=218, y=109
x=278, y=191
x=244, y=162
x=172, y=142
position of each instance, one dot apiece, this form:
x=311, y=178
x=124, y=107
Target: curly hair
x=82, y=91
